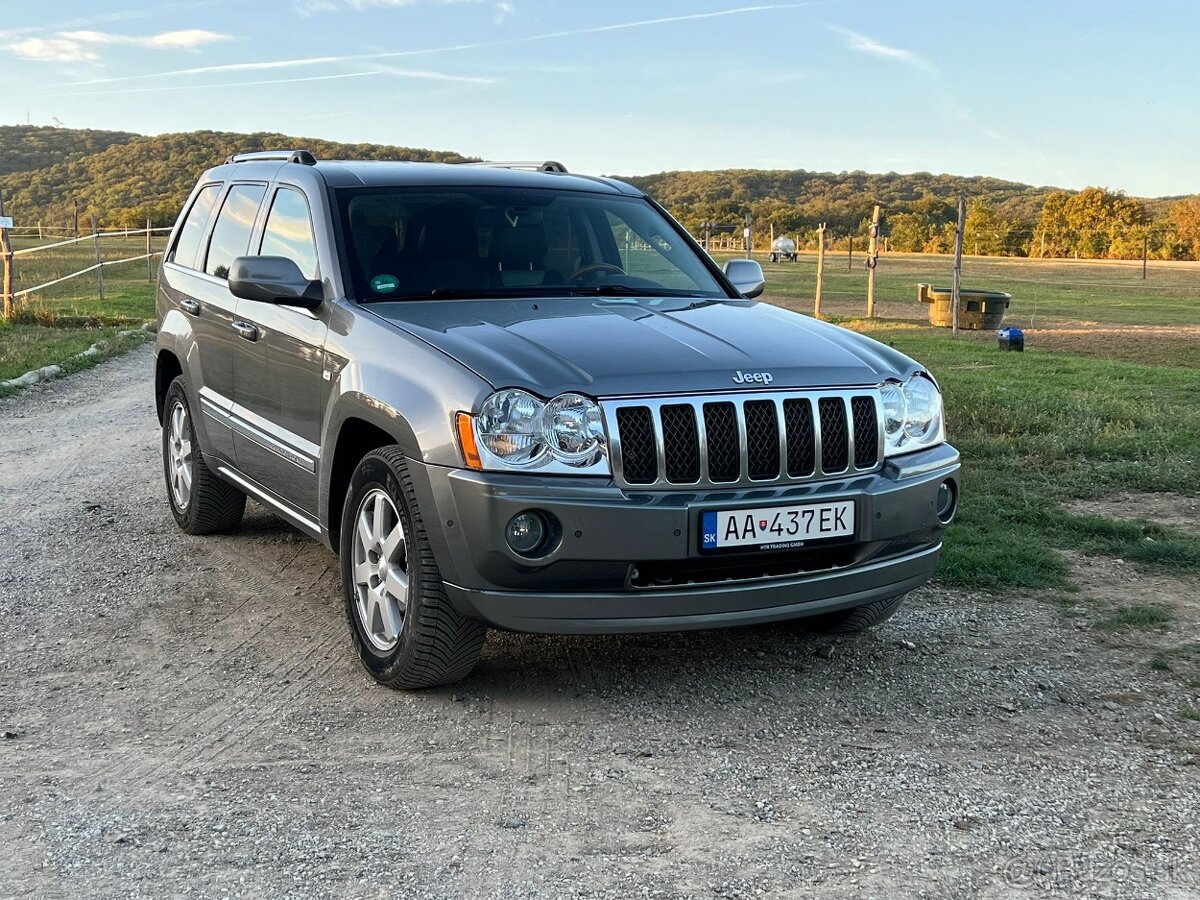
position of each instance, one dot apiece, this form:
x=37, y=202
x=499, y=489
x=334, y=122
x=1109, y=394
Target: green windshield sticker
x=384, y=284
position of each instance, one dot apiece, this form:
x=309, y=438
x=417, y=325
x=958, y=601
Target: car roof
x=385, y=173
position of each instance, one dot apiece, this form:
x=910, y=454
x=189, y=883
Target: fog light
x=947, y=502
x=526, y=532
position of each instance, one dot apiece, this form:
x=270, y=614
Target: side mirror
x=273, y=279
x=746, y=276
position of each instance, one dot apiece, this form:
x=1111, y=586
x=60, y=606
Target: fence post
x=850, y=256
x=99, y=261
x=872, y=261
x=820, y=268
x=1145, y=252
x=149, y=255
x=958, y=242
x=6, y=262
x=748, y=236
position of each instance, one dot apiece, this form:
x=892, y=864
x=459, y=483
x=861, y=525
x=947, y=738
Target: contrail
x=201, y=87
x=547, y=36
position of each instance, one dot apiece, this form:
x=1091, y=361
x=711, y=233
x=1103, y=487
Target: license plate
x=776, y=527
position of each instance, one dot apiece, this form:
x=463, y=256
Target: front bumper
x=595, y=580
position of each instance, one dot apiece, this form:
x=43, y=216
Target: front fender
x=389, y=379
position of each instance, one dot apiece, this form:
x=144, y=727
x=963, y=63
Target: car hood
x=620, y=347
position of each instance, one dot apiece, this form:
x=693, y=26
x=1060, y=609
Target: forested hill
x=794, y=199
x=130, y=180
x=24, y=148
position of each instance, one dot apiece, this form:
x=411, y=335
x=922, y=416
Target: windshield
x=430, y=243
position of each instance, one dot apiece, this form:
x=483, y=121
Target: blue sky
x=1064, y=93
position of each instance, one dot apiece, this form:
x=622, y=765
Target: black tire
x=436, y=643
x=212, y=504
x=857, y=618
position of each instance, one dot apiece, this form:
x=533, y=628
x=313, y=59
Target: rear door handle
x=246, y=331
x=190, y=306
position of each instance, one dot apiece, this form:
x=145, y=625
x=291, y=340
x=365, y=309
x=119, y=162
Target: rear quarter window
x=188, y=245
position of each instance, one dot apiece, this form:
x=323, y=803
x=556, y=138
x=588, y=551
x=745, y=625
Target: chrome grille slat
x=745, y=442
x=848, y=412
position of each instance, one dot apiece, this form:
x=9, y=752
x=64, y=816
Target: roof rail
x=547, y=166
x=304, y=157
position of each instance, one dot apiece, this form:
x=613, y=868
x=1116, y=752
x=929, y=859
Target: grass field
x=1046, y=293
x=1038, y=428
x=54, y=325
x=127, y=285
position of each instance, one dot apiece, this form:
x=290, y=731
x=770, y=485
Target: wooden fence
x=12, y=260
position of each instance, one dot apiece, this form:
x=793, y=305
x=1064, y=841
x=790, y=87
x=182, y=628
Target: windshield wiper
x=609, y=290
x=541, y=290
x=453, y=294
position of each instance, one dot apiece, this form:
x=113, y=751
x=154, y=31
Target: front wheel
x=857, y=618
x=406, y=632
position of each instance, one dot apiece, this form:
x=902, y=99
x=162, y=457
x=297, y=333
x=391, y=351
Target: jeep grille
x=742, y=440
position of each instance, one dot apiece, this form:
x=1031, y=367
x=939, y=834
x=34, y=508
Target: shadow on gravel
x=528, y=668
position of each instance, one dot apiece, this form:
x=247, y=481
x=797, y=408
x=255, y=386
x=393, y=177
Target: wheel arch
x=357, y=436
x=167, y=367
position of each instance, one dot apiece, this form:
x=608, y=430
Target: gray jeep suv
x=510, y=396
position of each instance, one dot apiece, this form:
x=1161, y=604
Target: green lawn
x=126, y=303
x=53, y=325
x=128, y=282
x=26, y=346
x=1044, y=293
x=1041, y=427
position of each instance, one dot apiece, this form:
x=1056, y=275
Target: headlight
x=509, y=428
x=913, y=418
x=573, y=429
x=516, y=430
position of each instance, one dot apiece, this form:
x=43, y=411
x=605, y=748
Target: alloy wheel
x=380, y=569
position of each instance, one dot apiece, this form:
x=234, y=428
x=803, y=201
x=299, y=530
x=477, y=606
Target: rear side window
x=231, y=234
x=289, y=232
x=188, y=244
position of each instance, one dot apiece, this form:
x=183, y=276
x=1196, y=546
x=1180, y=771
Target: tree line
x=125, y=179
x=920, y=213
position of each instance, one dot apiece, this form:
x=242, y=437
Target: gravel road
x=183, y=716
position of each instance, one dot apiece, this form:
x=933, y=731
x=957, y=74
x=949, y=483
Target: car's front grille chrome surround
x=741, y=440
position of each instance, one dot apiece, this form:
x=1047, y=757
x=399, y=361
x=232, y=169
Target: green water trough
x=977, y=310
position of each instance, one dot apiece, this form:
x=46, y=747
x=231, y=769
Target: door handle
x=246, y=331
x=190, y=306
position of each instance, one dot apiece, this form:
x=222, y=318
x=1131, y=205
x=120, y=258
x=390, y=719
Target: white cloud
x=52, y=50
x=863, y=44
x=78, y=46
x=188, y=39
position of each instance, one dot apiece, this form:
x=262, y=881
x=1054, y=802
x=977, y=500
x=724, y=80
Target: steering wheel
x=594, y=268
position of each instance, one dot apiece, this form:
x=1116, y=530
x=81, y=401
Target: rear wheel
x=857, y=618
x=406, y=632
x=200, y=501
